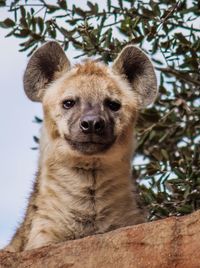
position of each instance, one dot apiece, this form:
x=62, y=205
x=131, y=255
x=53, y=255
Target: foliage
x=168, y=132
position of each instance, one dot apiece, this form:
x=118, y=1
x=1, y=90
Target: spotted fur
x=84, y=185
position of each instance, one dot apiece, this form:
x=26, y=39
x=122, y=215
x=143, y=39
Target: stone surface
x=168, y=243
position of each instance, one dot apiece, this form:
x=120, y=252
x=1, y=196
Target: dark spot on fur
x=35, y=207
x=91, y=192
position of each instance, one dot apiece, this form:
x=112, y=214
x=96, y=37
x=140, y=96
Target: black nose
x=92, y=124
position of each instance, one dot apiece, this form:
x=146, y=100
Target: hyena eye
x=67, y=104
x=113, y=105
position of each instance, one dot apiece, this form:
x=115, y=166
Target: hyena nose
x=92, y=124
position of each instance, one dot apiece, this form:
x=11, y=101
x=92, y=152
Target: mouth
x=90, y=147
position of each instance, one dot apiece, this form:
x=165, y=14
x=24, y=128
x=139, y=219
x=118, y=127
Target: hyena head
x=90, y=108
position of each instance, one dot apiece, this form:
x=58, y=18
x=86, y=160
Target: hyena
x=84, y=185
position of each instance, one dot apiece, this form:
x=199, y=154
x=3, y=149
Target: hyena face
x=91, y=107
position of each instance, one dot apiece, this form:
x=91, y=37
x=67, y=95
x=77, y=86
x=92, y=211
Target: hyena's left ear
x=136, y=67
x=45, y=65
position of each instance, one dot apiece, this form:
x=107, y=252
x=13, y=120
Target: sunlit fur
x=77, y=194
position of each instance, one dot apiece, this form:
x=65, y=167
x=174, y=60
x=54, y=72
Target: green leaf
x=182, y=38
x=23, y=11
x=32, y=50
x=148, y=12
x=185, y=209
x=36, y=139
x=23, y=22
x=40, y=23
x=80, y=12
x=179, y=173
x=52, y=8
x=23, y=33
x=7, y=23
x=93, y=7
x=37, y=120
x=2, y=3
x=62, y=4
x=109, y=5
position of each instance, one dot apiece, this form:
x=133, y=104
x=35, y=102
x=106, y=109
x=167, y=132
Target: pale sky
x=17, y=161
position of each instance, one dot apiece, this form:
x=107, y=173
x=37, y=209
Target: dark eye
x=67, y=104
x=113, y=105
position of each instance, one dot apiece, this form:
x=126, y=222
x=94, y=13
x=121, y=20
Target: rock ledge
x=168, y=243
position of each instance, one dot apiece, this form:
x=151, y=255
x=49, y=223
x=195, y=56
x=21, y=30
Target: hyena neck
x=87, y=171
x=92, y=198
x=60, y=166
x=52, y=154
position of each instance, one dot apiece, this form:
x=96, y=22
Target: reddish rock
x=168, y=243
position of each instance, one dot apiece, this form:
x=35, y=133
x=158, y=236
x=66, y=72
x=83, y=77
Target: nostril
x=92, y=124
x=99, y=125
x=85, y=125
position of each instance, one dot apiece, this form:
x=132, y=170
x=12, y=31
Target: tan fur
x=91, y=68
x=77, y=194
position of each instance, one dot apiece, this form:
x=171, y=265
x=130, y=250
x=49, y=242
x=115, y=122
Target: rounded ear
x=45, y=65
x=137, y=68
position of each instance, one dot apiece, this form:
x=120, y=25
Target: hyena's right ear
x=45, y=65
x=134, y=65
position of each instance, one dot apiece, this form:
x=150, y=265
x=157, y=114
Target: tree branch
x=180, y=75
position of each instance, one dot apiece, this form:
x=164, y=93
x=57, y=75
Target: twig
x=181, y=75
x=157, y=123
x=167, y=16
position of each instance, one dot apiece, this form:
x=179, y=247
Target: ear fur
x=137, y=68
x=45, y=65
